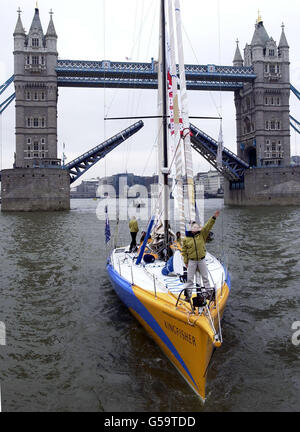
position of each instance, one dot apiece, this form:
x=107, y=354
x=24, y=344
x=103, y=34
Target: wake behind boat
x=186, y=324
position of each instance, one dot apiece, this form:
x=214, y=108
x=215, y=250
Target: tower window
x=43, y=95
x=35, y=42
x=36, y=96
x=35, y=60
x=271, y=52
x=35, y=122
x=28, y=96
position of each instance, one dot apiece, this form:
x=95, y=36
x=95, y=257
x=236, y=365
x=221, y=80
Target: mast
x=185, y=118
x=165, y=129
x=177, y=126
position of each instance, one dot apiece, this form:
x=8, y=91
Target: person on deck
x=178, y=238
x=194, y=251
x=134, y=229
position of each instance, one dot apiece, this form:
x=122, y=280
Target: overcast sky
x=118, y=29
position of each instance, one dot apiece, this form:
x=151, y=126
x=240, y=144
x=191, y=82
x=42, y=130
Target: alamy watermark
x=121, y=202
x=2, y=333
x=296, y=334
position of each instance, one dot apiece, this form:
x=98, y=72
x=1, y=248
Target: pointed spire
x=36, y=22
x=238, y=59
x=260, y=36
x=19, y=30
x=51, y=29
x=283, y=43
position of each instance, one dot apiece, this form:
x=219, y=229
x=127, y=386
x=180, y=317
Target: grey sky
x=116, y=29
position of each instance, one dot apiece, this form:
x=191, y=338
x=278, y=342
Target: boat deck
x=150, y=277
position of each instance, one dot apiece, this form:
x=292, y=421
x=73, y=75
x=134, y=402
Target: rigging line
x=219, y=40
x=131, y=54
x=197, y=61
x=160, y=116
x=135, y=101
x=221, y=112
x=104, y=89
x=153, y=146
x=138, y=49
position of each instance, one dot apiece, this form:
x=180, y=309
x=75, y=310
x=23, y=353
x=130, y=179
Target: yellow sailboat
x=150, y=281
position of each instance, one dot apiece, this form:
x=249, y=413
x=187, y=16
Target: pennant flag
x=220, y=147
x=107, y=226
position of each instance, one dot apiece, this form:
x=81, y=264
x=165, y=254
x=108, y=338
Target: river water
x=71, y=345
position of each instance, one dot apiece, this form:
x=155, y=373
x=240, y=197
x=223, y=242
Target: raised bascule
x=259, y=174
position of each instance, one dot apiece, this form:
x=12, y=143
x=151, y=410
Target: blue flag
x=107, y=227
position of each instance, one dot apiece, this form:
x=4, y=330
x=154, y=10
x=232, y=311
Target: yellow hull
x=187, y=339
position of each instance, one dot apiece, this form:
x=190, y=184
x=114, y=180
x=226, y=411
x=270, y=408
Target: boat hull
x=187, y=340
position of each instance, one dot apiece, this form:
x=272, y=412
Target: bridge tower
x=263, y=124
x=37, y=170
x=35, y=59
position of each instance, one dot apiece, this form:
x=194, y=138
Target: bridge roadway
x=106, y=73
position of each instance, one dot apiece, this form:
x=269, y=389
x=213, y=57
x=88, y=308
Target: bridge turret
x=51, y=47
x=51, y=36
x=283, y=47
x=238, y=59
x=19, y=45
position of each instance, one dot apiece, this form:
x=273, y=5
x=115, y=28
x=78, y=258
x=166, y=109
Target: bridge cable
x=221, y=117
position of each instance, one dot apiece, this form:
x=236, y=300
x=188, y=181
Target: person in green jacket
x=194, y=251
x=134, y=229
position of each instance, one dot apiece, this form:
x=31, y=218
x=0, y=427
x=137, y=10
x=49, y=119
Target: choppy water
x=71, y=345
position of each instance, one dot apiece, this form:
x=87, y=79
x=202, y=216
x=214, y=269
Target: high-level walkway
x=79, y=73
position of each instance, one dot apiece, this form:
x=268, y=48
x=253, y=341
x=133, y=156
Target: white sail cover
x=185, y=118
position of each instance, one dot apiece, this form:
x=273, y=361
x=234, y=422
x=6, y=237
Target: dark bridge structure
x=259, y=82
x=102, y=74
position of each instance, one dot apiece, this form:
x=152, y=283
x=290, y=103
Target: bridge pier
x=35, y=189
x=265, y=187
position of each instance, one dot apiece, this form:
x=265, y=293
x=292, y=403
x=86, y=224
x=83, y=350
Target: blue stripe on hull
x=124, y=290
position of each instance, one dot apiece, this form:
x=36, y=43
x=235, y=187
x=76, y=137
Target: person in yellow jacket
x=194, y=251
x=134, y=229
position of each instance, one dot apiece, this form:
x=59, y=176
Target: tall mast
x=165, y=128
x=185, y=118
x=177, y=126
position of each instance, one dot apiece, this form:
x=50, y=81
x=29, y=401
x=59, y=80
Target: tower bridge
x=260, y=83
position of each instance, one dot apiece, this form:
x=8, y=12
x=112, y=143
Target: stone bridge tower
x=35, y=57
x=263, y=124
x=37, y=181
